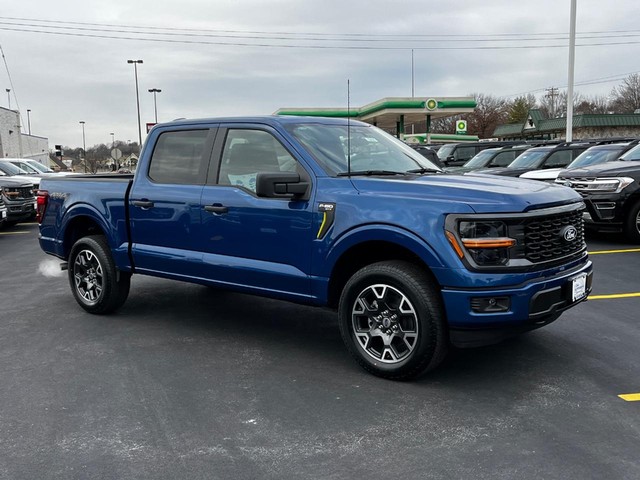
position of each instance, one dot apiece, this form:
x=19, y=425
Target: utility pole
x=552, y=92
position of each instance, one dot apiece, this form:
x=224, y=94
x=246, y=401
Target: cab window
x=179, y=158
x=248, y=152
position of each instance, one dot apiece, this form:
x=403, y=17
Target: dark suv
x=19, y=198
x=611, y=192
x=457, y=154
x=491, y=158
x=548, y=156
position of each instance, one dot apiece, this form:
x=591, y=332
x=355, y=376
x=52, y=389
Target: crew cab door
x=164, y=204
x=260, y=243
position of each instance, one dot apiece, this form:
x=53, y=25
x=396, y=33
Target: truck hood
x=482, y=193
x=608, y=169
x=13, y=182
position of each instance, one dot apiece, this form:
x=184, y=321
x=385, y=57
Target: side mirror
x=280, y=185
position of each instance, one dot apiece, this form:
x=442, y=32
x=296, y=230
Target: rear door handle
x=143, y=203
x=216, y=208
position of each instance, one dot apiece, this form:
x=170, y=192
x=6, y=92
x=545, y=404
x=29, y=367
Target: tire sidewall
x=96, y=246
x=631, y=226
x=429, y=317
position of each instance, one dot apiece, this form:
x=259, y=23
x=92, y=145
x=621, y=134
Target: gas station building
x=398, y=114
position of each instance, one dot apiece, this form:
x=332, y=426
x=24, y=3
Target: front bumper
x=18, y=211
x=530, y=305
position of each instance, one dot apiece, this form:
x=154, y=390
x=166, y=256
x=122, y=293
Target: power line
x=298, y=46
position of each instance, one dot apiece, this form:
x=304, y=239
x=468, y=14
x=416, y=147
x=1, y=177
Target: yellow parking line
x=615, y=295
x=18, y=232
x=626, y=250
x=630, y=397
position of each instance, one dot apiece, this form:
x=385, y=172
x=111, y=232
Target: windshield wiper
x=424, y=170
x=360, y=173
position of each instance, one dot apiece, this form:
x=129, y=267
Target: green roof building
x=537, y=127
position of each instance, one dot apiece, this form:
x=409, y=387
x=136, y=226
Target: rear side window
x=464, y=153
x=180, y=158
x=503, y=159
x=559, y=159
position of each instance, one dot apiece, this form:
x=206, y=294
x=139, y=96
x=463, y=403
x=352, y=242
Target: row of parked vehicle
x=19, y=181
x=606, y=172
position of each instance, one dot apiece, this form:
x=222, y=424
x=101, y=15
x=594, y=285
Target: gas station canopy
x=394, y=113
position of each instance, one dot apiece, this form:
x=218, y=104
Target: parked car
x=19, y=199
x=10, y=169
x=457, y=154
x=535, y=158
x=592, y=156
x=428, y=153
x=491, y=158
x=30, y=166
x=3, y=209
x=38, y=166
x=611, y=192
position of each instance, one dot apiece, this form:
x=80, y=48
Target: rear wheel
x=392, y=320
x=97, y=285
x=632, y=226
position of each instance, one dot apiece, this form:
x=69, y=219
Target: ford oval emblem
x=569, y=233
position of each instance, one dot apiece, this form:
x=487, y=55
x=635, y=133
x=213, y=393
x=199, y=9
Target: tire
x=392, y=320
x=632, y=225
x=97, y=285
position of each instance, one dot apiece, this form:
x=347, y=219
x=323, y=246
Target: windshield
x=444, y=151
x=529, y=159
x=11, y=169
x=631, y=155
x=38, y=166
x=371, y=148
x=27, y=168
x=482, y=158
x=594, y=157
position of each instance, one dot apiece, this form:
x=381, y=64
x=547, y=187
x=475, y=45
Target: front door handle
x=216, y=208
x=143, y=203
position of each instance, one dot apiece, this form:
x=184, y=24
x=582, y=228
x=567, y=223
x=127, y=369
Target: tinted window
x=11, y=169
x=179, y=157
x=529, y=159
x=595, y=156
x=558, y=159
x=503, y=159
x=249, y=152
x=464, y=153
x=632, y=155
x=445, y=151
x=482, y=158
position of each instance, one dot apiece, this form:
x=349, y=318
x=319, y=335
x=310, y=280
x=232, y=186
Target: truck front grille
x=544, y=240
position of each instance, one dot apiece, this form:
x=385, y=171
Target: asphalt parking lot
x=189, y=382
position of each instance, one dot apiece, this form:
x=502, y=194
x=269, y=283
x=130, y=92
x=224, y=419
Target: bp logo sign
x=432, y=104
x=461, y=126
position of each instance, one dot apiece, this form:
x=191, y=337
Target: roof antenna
x=348, y=128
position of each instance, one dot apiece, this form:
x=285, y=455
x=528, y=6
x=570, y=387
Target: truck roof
x=272, y=120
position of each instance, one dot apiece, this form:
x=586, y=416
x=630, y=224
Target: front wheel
x=97, y=285
x=392, y=320
x=632, y=227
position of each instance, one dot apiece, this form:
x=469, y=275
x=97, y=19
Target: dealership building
x=15, y=144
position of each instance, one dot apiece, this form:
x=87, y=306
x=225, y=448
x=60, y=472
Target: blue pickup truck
x=326, y=212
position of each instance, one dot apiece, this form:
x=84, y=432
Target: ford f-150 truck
x=326, y=212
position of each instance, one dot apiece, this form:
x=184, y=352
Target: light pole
x=155, y=104
x=8, y=90
x=84, y=147
x=29, y=120
x=135, y=70
x=113, y=142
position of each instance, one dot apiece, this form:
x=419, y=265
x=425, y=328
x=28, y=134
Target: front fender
x=384, y=233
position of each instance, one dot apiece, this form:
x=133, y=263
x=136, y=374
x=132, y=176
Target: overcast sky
x=244, y=57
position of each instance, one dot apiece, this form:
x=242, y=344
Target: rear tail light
x=41, y=203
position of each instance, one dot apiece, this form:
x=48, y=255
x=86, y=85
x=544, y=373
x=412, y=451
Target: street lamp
x=113, y=142
x=155, y=105
x=135, y=70
x=8, y=90
x=84, y=147
x=29, y=120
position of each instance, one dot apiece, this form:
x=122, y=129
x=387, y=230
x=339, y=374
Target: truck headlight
x=616, y=184
x=485, y=241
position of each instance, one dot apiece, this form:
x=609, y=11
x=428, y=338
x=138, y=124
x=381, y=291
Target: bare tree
x=597, y=104
x=559, y=107
x=625, y=98
x=490, y=112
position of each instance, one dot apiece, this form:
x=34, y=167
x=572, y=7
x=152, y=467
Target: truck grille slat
x=543, y=240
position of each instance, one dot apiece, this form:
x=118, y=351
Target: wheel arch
x=362, y=249
x=79, y=222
